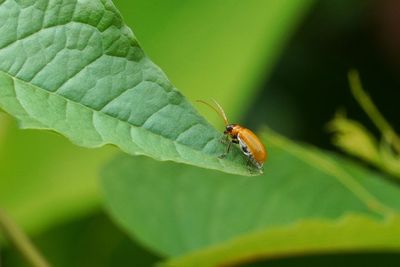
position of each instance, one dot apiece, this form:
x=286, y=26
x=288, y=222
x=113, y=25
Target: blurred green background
x=289, y=71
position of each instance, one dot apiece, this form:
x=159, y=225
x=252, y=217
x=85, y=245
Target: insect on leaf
x=74, y=67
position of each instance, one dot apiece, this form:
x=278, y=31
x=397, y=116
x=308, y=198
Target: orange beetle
x=249, y=143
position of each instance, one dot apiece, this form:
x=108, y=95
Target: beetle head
x=229, y=128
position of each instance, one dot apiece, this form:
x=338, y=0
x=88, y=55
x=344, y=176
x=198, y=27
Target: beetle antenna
x=219, y=111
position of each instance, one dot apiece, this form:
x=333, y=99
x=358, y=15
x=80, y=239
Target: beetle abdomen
x=244, y=147
x=252, y=146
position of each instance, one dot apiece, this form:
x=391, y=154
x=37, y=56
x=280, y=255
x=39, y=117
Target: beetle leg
x=227, y=150
x=248, y=164
x=225, y=140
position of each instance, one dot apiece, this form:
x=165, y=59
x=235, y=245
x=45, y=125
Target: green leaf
x=356, y=140
x=225, y=50
x=60, y=179
x=75, y=68
x=351, y=233
x=178, y=209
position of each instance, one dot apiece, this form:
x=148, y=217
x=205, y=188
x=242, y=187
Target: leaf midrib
x=108, y=115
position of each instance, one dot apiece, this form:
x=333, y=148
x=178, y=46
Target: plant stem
x=15, y=235
x=372, y=111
